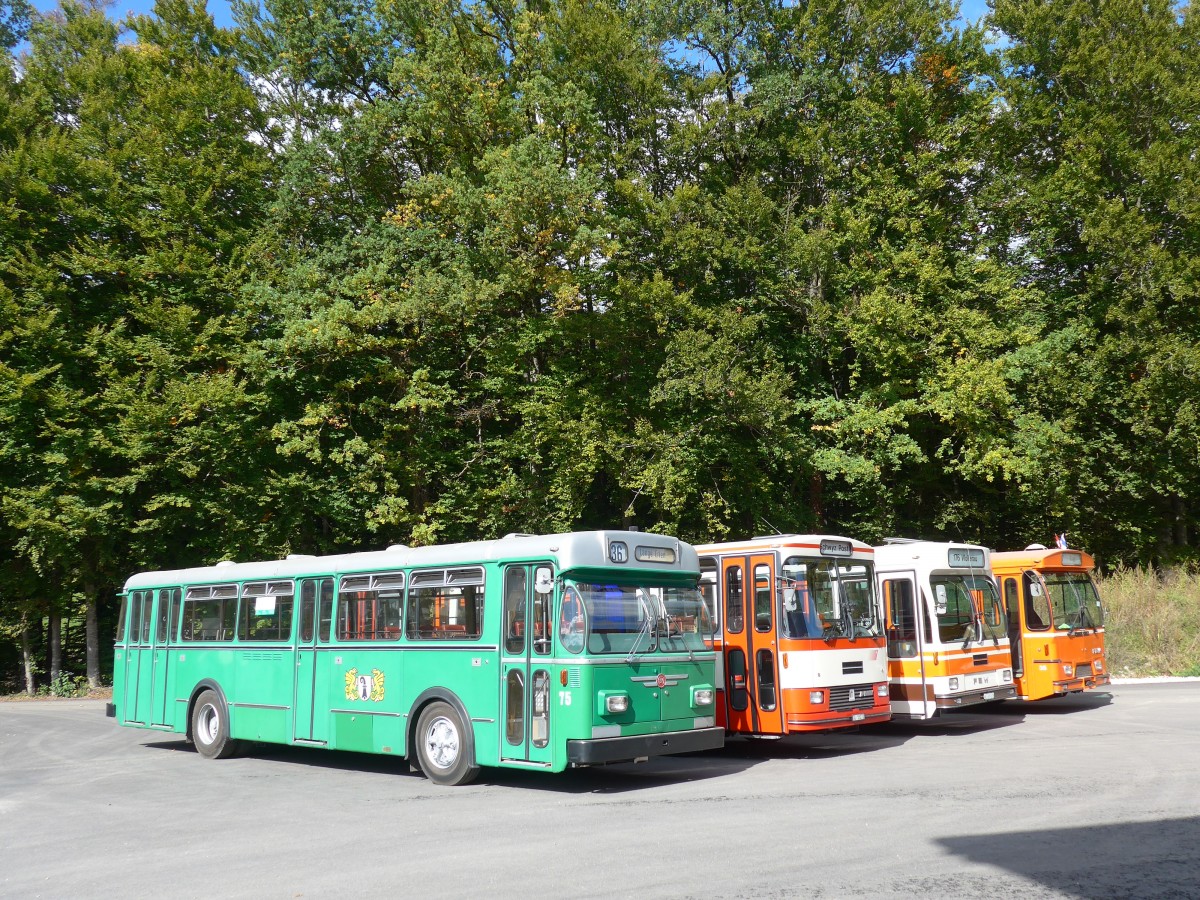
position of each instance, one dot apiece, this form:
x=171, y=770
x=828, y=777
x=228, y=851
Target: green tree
x=1097, y=143
x=131, y=182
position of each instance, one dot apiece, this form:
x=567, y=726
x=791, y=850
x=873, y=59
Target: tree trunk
x=93, y=639
x=55, y=638
x=27, y=658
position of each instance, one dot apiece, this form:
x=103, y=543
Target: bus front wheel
x=210, y=727
x=441, y=746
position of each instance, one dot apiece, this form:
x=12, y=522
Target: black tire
x=210, y=727
x=442, y=747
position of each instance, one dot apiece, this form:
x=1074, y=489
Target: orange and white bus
x=947, y=640
x=1055, y=620
x=800, y=647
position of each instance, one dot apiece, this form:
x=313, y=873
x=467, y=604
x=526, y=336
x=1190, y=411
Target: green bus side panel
x=472, y=675
x=355, y=732
x=193, y=663
x=118, y=682
x=360, y=690
x=261, y=694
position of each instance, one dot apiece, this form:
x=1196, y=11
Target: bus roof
x=930, y=555
x=833, y=545
x=638, y=551
x=1042, y=558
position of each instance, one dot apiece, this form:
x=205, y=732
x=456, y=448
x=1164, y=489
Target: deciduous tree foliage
x=358, y=272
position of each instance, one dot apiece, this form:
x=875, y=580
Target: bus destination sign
x=1072, y=558
x=654, y=554
x=966, y=558
x=837, y=548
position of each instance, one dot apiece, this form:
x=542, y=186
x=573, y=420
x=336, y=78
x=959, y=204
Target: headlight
x=1068, y=669
x=616, y=703
x=881, y=690
x=816, y=698
x=702, y=696
x=1006, y=676
x=1098, y=665
x=954, y=684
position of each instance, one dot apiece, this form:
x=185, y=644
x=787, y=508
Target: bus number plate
x=858, y=717
x=990, y=695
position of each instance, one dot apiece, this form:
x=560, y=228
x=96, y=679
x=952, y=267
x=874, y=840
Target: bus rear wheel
x=210, y=727
x=442, y=747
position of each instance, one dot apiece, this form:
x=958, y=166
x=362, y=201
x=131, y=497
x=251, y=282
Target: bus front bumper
x=970, y=698
x=1083, y=683
x=599, y=751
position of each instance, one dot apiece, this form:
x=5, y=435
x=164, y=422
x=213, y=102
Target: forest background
x=358, y=272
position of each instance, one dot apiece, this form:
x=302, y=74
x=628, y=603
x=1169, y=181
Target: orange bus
x=1055, y=620
x=797, y=628
x=947, y=642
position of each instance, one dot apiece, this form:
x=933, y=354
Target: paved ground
x=1094, y=796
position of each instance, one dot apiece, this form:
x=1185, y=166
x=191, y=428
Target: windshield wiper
x=848, y=623
x=648, y=625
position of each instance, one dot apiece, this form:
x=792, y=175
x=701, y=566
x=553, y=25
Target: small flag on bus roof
x=1060, y=541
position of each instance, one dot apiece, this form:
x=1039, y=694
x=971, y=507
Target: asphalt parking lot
x=1096, y=795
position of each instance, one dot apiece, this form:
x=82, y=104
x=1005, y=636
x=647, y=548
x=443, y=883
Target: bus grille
x=863, y=696
x=1083, y=670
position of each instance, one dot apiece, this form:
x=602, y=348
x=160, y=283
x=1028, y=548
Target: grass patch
x=1152, y=622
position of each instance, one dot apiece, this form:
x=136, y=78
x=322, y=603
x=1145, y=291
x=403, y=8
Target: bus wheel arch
x=208, y=722
x=441, y=739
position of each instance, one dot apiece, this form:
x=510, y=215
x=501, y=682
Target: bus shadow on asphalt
x=815, y=745
x=342, y=760
x=610, y=779
x=620, y=778
x=957, y=722
x=1063, y=706
x=1125, y=859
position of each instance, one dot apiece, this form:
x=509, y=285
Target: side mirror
x=939, y=600
x=543, y=580
x=1035, y=589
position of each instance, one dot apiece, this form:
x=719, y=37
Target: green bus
x=535, y=652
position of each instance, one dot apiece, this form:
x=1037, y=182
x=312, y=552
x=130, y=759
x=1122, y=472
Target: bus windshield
x=825, y=598
x=960, y=601
x=623, y=618
x=1074, y=602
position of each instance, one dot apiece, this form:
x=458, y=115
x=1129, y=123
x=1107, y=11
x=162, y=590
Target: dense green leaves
x=367, y=271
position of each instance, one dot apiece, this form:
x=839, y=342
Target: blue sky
x=972, y=10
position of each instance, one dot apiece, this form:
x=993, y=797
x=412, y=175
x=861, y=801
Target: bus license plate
x=990, y=695
x=857, y=717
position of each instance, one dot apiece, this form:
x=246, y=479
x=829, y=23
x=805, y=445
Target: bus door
x=528, y=601
x=748, y=623
x=166, y=625
x=1012, y=608
x=316, y=611
x=904, y=623
x=139, y=659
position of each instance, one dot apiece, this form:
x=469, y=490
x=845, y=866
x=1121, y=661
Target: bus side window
x=325, y=611
x=708, y=586
x=1011, y=602
x=733, y=599
x=121, y=618
x=901, y=618
x=763, y=596
x=514, y=610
